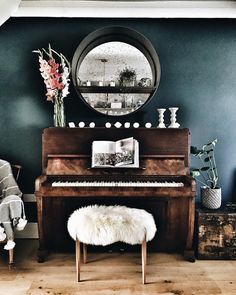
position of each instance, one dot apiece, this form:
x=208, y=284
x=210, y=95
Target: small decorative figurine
x=173, y=123
x=108, y=125
x=91, y=124
x=148, y=125
x=161, y=118
x=71, y=124
x=81, y=124
x=117, y=124
x=127, y=124
x=136, y=125
x=88, y=83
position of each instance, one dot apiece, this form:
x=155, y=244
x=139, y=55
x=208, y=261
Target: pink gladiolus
x=45, y=75
x=55, y=74
x=53, y=64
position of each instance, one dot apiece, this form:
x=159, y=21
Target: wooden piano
x=164, y=158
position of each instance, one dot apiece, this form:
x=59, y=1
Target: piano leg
x=42, y=252
x=189, y=251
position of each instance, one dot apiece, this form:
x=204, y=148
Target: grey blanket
x=8, y=185
x=11, y=205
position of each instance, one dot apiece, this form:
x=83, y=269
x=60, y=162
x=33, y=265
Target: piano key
x=116, y=184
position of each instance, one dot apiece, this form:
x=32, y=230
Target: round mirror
x=115, y=72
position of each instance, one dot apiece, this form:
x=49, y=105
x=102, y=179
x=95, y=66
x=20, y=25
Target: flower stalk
x=55, y=70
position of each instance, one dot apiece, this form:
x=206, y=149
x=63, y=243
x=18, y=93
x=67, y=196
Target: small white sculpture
x=127, y=124
x=117, y=124
x=91, y=124
x=88, y=83
x=71, y=124
x=108, y=125
x=136, y=125
x=148, y=125
x=173, y=123
x=161, y=118
x=81, y=124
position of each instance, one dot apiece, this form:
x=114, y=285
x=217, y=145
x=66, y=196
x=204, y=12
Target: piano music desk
x=164, y=153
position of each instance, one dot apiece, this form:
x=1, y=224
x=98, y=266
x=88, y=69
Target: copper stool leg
x=144, y=259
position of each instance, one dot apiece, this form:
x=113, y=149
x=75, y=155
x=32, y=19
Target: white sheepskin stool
x=104, y=225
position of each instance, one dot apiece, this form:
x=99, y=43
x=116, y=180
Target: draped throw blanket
x=8, y=185
x=11, y=205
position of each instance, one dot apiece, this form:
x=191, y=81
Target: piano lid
x=67, y=151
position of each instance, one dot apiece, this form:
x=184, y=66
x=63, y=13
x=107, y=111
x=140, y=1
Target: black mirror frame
x=121, y=34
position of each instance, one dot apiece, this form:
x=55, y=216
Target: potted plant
x=207, y=175
x=127, y=77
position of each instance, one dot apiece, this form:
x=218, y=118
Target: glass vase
x=59, y=113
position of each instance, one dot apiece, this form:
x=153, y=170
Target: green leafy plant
x=207, y=174
x=127, y=74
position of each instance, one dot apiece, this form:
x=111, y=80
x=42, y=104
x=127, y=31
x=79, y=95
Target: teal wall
x=198, y=61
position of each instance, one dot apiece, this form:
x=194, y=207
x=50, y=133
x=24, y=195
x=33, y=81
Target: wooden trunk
x=217, y=233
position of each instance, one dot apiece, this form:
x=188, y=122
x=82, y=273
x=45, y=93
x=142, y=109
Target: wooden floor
x=114, y=273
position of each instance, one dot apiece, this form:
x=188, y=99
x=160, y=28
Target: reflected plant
x=207, y=174
x=127, y=74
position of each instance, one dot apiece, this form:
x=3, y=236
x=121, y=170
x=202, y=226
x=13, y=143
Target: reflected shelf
x=116, y=89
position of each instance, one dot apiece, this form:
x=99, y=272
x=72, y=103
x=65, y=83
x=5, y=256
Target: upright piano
x=161, y=185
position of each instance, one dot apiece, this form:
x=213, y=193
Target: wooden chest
x=216, y=233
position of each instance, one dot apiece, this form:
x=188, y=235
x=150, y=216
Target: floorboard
x=112, y=274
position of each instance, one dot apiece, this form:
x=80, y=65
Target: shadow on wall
x=234, y=187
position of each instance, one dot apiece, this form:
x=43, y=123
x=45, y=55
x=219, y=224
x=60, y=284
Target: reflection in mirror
x=115, y=78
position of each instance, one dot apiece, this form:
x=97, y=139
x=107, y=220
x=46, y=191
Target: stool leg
x=144, y=259
x=84, y=253
x=11, y=255
x=77, y=254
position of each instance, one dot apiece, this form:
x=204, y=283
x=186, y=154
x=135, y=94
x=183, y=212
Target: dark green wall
x=198, y=61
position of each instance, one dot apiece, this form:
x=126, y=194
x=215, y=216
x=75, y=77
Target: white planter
x=211, y=197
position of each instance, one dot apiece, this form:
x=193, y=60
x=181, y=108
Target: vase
x=128, y=82
x=59, y=113
x=211, y=197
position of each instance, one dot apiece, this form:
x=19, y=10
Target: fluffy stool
x=104, y=225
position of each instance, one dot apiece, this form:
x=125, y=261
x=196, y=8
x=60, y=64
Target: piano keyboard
x=116, y=184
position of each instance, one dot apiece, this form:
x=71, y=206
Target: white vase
x=211, y=197
x=59, y=118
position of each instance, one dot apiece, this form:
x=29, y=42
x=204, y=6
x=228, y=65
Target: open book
x=122, y=153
